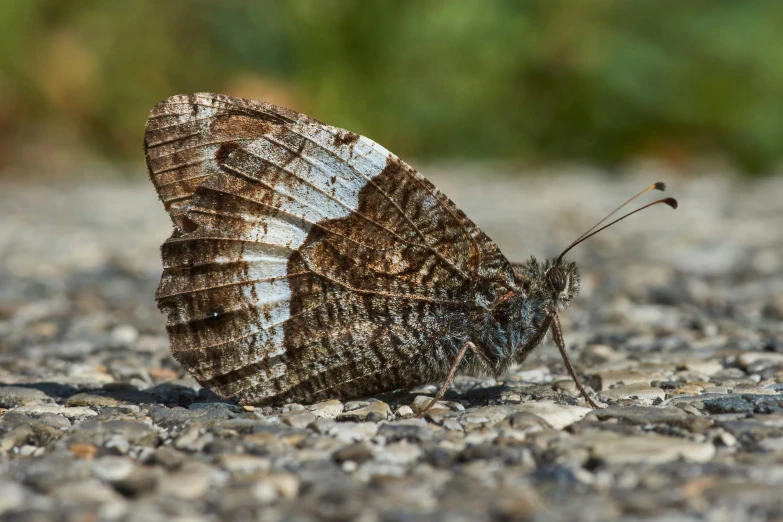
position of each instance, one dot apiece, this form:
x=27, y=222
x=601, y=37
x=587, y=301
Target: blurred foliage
x=541, y=80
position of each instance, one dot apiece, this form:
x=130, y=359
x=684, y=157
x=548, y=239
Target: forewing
x=184, y=133
x=307, y=261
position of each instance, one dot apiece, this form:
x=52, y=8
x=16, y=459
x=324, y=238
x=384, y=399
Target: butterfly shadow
x=169, y=394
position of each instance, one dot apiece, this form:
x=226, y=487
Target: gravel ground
x=679, y=330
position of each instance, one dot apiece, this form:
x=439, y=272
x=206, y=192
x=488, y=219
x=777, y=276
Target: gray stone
x=408, y=429
x=91, y=401
x=616, y=449
x=374, y=412
x=765, y=403
x=46, y=473
x=355, y=405
x=113, y=469
x=13, y=396
x=222, y=409
x=88, y=492
x=12, y=498
x=524, y=420
x=641, y=392
x=567, y=386
x=119, y=444
x=358, y=452
x=486, y=416
x=422, y=401
x=327, y=409
x=168, y=457
x=123, y=336
x=129, y=393
x=123, y=412
x=14, y=438
x=136, y=433
x=27, y=450
x=243, y=464
x=177, y=418
x=172, y=418
x=556, y=415
x=298, y=418
x=322, y=425
x=353, y=431
x=452, y=425
x=59, y=422
x=191, y=482
x=768, y=358
x=752, y=389
x=274, y=487
x=17, y=429
x=38, y=410
x=641, y=415
x=405, y=412
x=708, y=367
x=399, y=453
x=537, y=375
x=610, y=379
x=731, y=404
x=193, y=438
x=751, y=430
x=141, y=480
x=773, y=444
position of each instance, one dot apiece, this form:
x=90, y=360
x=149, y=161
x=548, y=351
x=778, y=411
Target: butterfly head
x=561, y=279
x=553, y=282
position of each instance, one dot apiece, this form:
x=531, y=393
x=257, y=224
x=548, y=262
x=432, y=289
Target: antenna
x=658, y=185
x=667, y=201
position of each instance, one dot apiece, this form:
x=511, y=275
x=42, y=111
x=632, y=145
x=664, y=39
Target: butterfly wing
x=307, y=261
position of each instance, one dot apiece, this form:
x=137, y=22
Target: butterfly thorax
x=503, y=331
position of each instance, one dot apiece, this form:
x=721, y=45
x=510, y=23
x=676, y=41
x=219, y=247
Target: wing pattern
x=306, y=261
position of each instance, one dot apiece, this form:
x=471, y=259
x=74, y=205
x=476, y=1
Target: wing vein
x=271, y=279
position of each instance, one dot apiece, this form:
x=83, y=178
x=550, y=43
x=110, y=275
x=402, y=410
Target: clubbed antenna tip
x=591, y=232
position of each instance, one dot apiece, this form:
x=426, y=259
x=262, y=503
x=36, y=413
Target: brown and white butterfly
x=308, y=262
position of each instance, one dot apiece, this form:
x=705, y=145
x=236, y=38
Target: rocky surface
x=678, y=331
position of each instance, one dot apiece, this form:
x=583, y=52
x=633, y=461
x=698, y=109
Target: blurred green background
x=532, y=81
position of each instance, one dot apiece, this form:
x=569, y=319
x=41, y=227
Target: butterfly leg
x=557, y=334
x=449, y=378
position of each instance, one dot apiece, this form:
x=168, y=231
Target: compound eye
x=556, y=279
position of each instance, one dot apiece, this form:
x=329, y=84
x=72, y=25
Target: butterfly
x=308, y=262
